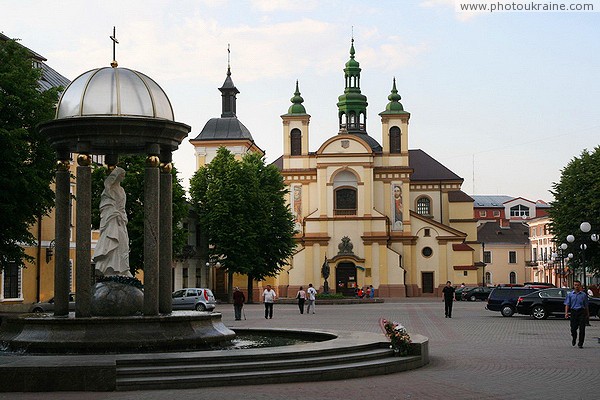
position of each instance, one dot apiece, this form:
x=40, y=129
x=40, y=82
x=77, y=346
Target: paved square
x=476, y=354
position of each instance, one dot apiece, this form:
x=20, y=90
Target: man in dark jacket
x=448, y=293
x=238, y=302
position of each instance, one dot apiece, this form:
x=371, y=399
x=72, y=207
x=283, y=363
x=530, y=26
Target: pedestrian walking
x=312, y=296
x=301, y=296
x=448, y=294
x=269, y=297
x=577, y=309
x=238, y=302
x=372, y=294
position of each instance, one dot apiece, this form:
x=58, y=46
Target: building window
x=345, y=201
x=427, y=252
x=296, y=142
x=512, y=278
x=519, y=211
x=496, y=213
x=488, y=278
x=424, y=206
x=12, y=281
x=394, y=140
x=427, y=232
x=465, y=273
x=487, y=257
x=512, y=257
x=482, y=213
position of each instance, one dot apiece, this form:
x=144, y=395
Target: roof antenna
x=114, y=63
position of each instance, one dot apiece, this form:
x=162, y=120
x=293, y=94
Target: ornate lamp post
x=585, y=227
x=212, y=273
x=560, y=254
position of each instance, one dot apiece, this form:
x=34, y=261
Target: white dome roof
x=114, y=92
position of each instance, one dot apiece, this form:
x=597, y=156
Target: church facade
x=366, y=213
x=374, y=214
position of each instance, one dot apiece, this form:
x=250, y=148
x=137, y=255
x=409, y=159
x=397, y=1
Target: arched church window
x=424, y=206
x=512, y=277
x=395, y=140
x=296, y=142
x=345, y=201
x=345, y=193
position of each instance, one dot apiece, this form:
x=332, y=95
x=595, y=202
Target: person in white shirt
x=311, y=293
x=269, y=296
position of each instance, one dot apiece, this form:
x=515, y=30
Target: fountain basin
x=45, y=333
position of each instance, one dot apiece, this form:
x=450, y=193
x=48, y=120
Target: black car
x=546, y=302
x=504, y=299
x=459, y=291
x=478, y=293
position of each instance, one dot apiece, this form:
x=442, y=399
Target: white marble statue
x=112, y=250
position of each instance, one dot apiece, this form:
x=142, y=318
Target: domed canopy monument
x=107, y=112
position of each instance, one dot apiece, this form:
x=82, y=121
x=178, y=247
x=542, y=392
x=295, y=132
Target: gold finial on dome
x=114, y=63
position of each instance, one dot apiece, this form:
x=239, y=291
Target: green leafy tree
x=270, y=217
x=242, y=211
x=133, y=184
x=26, y=159
x=576, y=200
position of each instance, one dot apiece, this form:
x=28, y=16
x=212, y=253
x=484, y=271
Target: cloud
x=462, y=16
x=284, y=5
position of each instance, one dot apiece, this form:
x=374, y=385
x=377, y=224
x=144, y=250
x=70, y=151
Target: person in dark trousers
x=448, y=293
x=269, y=296
x=238, y=302
x=301, y=297
x=577, y=309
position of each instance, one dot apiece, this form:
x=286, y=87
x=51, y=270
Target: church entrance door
x=427, y=278
x=345, y=278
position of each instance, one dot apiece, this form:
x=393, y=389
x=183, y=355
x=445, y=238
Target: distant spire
x=228, y=91
x=114, y=63
x=394, y=106
x=228, y=60
x=297, y=100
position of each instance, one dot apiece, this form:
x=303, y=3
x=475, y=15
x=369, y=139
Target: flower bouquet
x=396, y=333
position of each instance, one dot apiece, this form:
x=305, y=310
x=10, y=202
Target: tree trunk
x=250, y=290
x=230, y=287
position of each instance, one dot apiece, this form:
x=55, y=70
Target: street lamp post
x=585, y=227
x=560, y=253
x=212, y=273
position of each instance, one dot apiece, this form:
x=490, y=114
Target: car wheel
x=200, y=307
x=472, y=298
x=539, y=312
x=38, y=310
x=507, y=311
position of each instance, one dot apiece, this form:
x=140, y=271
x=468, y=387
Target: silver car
x=199, y=299
x=48, y=306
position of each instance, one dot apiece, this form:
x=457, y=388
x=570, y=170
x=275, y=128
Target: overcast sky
x=504, y=100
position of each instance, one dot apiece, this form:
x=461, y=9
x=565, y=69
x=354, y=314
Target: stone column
x=83, y=256
x=151, y=235
x=166, y=237
x=62, y=232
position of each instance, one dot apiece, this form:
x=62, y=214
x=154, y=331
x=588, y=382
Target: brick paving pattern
x=476, y=354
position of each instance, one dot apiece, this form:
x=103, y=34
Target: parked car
x=539, y=285
x=478, y=293
x=459, y=291
x=48, y=306
x=199, y=299
x=504, y=299
x=546, y=302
